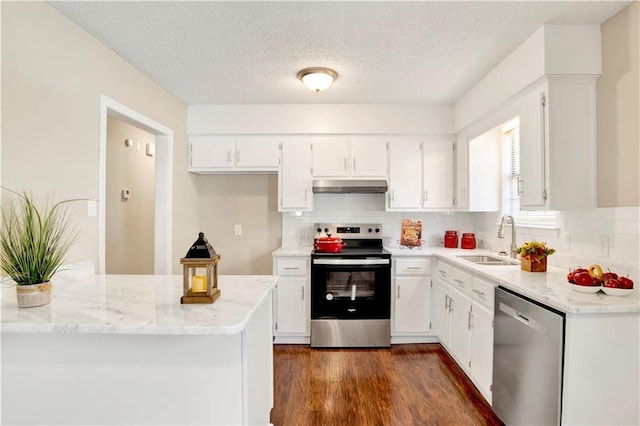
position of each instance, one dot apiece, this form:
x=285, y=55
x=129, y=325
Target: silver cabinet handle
x=426, y=195
x=291, y=268
x=305, y=195
x=518, y=186
x=459, y=281
x=446, y=302
x=228, y=156
x=443, y=273
x=469, y=320
x=345, y=164
x=450, y=305
x=413, y=268
x=237, y=156
x=354, y=165
x=398, y=295
x=478, y=292
x=302, y=293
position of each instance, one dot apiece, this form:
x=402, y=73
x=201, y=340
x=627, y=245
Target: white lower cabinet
x=462, y=318
x=481, y=349
x=291, y=300
x=411, y=297
x=460, y=325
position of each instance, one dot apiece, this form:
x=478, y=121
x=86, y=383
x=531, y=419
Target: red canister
x=451, y=239
x=468, y=241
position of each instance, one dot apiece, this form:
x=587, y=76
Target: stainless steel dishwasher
x=527, y=361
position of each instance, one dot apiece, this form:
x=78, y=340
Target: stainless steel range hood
x=349, y=186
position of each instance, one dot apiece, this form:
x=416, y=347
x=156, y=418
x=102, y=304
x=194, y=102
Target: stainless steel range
x=351, y=289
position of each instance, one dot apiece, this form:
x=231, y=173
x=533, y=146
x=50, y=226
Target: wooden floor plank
x=417, y=384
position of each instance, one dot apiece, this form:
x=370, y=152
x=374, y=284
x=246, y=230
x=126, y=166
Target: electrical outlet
x=237, y=230
x=604, y=246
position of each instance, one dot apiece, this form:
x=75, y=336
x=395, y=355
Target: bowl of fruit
x=593, y=279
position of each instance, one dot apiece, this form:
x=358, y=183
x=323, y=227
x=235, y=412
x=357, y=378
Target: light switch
x=92, y=208
x=237, y=230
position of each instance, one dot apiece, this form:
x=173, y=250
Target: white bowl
x=611, y=291
x=585, y=288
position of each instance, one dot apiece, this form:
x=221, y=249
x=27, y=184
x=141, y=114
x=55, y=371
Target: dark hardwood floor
x=417, y=384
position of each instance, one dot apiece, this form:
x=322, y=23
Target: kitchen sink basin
x=489, y=260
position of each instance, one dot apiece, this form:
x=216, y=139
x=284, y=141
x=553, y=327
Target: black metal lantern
x=200, y=273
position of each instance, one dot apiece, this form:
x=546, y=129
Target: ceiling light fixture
x=317, y=79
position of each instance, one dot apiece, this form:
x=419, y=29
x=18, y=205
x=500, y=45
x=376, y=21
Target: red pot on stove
x=329, y=244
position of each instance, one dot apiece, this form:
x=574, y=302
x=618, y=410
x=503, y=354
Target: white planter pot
x=33, y=295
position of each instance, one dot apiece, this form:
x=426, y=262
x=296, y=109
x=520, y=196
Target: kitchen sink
x=489, y=260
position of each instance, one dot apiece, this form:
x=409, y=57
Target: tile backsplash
x=607, y=236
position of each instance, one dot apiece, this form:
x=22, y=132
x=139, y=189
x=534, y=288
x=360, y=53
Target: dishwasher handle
x=527, y=321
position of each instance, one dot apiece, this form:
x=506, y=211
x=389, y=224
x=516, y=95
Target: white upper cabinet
x=342, y=157
x=437, y=174
x=557, y=144
x=215, y=154
x=420, y=175
x=484, y=170
x=405, y=175
x=461, y=191
x=294, y=183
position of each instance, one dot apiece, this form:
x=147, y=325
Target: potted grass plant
x=34, y=243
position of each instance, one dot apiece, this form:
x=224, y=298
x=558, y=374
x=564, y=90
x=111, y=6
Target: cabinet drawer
x=483, y=292
x=291, y=267
x=445, y=272
x=462, y=281
x=413, y=267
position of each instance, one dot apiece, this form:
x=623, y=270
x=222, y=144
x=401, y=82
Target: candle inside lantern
x=199, y=283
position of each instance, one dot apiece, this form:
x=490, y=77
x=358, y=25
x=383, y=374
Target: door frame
x=163, y=183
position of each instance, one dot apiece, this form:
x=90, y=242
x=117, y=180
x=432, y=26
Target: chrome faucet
x=508, y=219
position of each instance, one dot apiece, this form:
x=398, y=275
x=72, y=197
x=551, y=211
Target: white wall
x=320, y=119
x=53, y=74
x=247, y=200
x=618, y=126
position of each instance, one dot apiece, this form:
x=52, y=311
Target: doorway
x=130, y=199
x=163, y=183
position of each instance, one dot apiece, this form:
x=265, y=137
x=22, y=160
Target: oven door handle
x=357, y=262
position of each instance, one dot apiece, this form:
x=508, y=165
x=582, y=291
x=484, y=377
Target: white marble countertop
x=550, y=288
x=136, y=304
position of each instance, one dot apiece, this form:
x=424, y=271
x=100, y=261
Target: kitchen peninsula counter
x=121, y=349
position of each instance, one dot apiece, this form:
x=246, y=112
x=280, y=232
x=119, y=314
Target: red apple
x=572, y=274
x=583, y=278
x=609, y=274
x=612, y=283
x=626, y=283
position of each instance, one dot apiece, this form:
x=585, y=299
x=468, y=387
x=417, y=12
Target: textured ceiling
x=249, y=52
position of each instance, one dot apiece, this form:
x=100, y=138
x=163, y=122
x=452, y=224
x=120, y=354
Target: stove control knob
x=370, y=230
x=377, y=230
x=319, y=230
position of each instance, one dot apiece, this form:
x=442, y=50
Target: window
x=511, y=168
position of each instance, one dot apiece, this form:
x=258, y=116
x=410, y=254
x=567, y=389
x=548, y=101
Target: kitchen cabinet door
x=294, y=180
x=532, y=183
x=557, y=128
x=405, y=176
x=481, y=349
x=437, y=174
x=460, y=324
x=440, y=314
x=292, y=306
x=331, y=157
x=211, y=153
x=411, y=305
x=368, y=158
x=261, y=153
x=461, y=194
